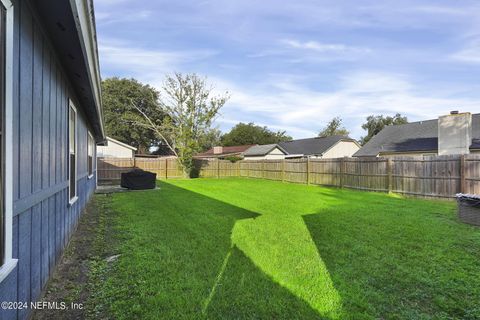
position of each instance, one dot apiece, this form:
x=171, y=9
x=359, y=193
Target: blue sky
x=294, y=65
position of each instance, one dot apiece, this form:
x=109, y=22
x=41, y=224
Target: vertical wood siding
x=43, y=221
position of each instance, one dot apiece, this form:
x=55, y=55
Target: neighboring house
x=267, y=152
x=321, y=147
x=223, y=152
x=456, y=133
x=51, y=120
x=115, y=149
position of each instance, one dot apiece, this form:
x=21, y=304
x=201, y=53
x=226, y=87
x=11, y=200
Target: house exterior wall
x=275, y=154
x=43, y=220
x=341, y=149
x=114, y=150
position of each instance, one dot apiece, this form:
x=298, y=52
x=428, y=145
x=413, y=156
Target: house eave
x=294, y=155
x=71, y=29
x=386, y=153
x=219, y=155
x=83, y=13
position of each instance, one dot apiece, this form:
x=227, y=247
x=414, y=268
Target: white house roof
x=121, y=143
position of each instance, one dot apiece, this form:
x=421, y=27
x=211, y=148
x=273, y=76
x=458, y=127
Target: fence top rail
x=112, y=158
x=379, y=160
x=425, y=160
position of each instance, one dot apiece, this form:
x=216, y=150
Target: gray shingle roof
x=414, y=136
x=262, y=150
x=312, y=146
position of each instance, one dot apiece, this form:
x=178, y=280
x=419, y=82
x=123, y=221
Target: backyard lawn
x=245, y=248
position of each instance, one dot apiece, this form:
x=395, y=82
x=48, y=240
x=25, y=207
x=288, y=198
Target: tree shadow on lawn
x=399, y=258
x=385, y=256
x=178, y=262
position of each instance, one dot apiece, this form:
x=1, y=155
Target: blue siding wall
x=43, y=220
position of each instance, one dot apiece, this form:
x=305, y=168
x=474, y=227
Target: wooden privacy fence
x=432, y=176
x=428, y=176
x=111, y=169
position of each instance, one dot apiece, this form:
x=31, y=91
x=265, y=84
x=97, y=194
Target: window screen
x=72, y=153
x=90, y=151
x=3, y=15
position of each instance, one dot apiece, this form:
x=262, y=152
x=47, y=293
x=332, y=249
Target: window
x=72, y=142
x=90, y=152
x=7, y=263
x=2, y=131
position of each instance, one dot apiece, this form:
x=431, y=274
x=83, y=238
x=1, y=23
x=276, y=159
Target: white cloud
x=129, y=59
x=387, y=36
x=108, y=2
x=303, y=112
x=323, y=47
x=285, y=102
x=105, y=17
x=469, y=54
x=295, y=51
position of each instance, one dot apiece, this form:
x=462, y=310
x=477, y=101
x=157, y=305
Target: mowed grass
x=256, y=249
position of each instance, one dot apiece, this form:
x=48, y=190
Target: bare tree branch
x=154, y=127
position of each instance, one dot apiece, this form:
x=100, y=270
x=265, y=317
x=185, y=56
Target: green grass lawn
x=244, y=248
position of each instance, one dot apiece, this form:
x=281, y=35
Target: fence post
x=166, y=168
x=342, y=171
x=283, y=170
x=463, y=182
x=134, y=161
x=218, y=168
x=389, y=175
x=308, y=170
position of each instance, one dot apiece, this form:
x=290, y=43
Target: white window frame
x=90, y=136
x=9, y=263
x=72, y=107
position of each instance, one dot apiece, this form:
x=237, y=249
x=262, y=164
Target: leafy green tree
x=375, y=124
x=121, y=122
x=249, y=133
x=334, y=128
x=190, y=109
x=210, y=139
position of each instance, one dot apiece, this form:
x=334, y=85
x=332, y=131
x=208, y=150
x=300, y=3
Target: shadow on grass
x=404, y=263
x=384, y=256
x=178, y=262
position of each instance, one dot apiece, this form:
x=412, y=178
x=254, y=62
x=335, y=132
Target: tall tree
x=190, y=107
x=334, y=128
x=375, y=124
x=249, y=133
x=210, y=139
x=121, y=121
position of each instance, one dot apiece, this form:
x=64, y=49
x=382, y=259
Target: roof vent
x=454, y=112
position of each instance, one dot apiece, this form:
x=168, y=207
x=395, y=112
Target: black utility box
x=469, y=208
x=138, y=179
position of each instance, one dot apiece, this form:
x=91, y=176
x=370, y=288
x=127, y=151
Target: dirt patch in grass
x=82, y=265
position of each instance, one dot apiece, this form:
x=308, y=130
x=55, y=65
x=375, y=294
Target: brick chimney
x=218, y=150
x=455, y=133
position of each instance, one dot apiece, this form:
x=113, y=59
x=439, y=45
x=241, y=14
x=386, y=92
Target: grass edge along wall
x=51, y=105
